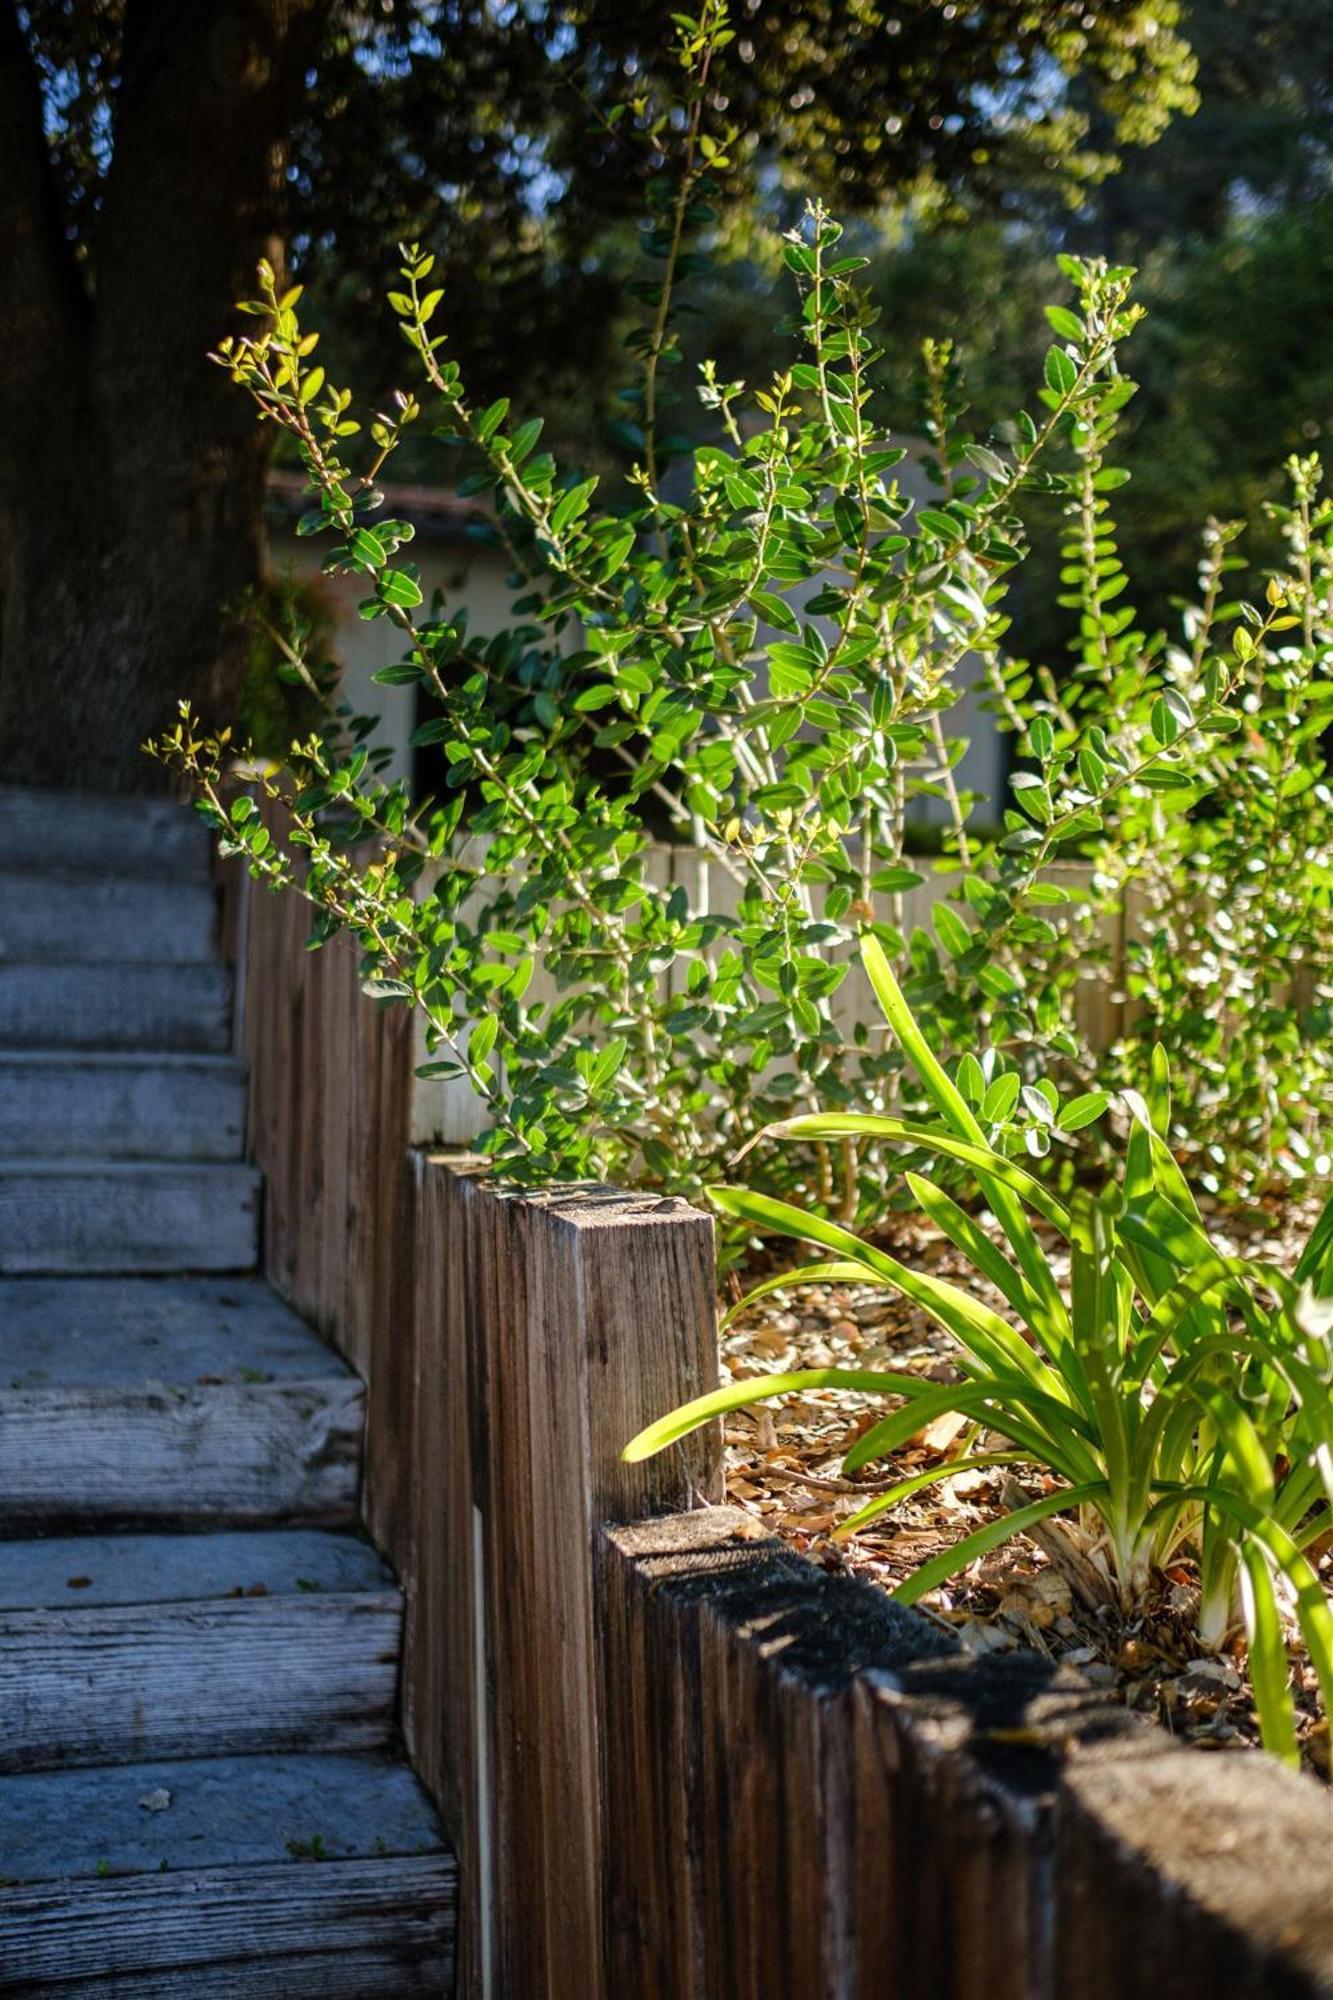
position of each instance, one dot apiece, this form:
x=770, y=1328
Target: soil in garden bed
x=784, y=1466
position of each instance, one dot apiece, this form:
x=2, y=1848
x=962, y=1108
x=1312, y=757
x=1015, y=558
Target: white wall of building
x=468, y=573
x=465, y=572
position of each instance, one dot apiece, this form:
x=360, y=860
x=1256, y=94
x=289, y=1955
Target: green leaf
x=952, y=931
x=1315, y=1267
x=936, y=522
x=1270, y=1676
x=969, y=1462
x=828, y=1273
x=1050, y=1323
x=1001, y=1098
x=975, y=1326
x=1067, y=324
x=366, y=550
x=405, y=674
x=775, y=611
x=1061, y=373
x=691, y=1416
x=980, y=1543
x=986, y=1163
x=987, y=461
x=943, y=1094
x=523, y=440
x=395, y=586
x=1083, y=1110
x=589, y=699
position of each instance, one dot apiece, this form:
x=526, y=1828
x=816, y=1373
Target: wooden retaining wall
x=678, y=1761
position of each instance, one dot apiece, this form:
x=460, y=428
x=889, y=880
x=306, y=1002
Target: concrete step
x=83, y=1216
x=120, y=1106
x=139, y=1401
x=64, y=1006
x=82, y=917
x=139, y=1646
x=154, y=839
x=208, y=1892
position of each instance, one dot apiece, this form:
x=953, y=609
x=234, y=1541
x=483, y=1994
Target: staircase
x=199, y=1790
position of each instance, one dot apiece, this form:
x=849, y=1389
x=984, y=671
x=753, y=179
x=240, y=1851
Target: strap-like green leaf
x=953, y=1109
x=982, y=1540
x=829, y=1273
x=935, y=1477
x=1269, y=1674
x=691, y=1416
x=978, y=1329
x=939, y=1087
x=1316, y=1262
x=1047, y=1430
x=1049, y=1323
x=1313, y=1611
x=1095, y=1303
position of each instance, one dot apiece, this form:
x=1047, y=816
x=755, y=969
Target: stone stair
x=199, y=1788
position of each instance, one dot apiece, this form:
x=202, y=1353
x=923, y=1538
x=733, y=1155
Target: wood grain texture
x=330, y=1079
x=732, y=1815
x=126, y=1682
x=511, y=1346
x=152, y=839
x=135, y=1107
x=72, y=1572
x=184, y=1007
x=85, y=917
x=130, y=1332
x=804, y=1799
x=127, y=1216
x=221, y=1812
x=1216, y=1870
x=341, y=1930
x=214, y=1453
x=569, y=1316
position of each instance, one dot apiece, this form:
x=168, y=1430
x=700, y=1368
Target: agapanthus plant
x=1181, y=1397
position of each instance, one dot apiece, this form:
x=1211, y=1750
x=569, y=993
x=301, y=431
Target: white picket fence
x=447, y=1111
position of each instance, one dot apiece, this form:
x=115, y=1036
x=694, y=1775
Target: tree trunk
x=131, y=470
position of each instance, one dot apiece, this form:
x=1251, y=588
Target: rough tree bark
x=130, y=469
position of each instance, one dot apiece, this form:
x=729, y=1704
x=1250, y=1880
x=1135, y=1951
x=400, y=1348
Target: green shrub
x=1220, y=890
x=1231, y=953
x=1182, y=1398
x=770, y=659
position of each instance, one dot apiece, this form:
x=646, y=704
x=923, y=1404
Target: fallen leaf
x=156, y=1801
x=749, y=1531
x=768, y=1341
x=940, y=1434
x=1041, y=1599
x=77, y=1582
x=979, y=1635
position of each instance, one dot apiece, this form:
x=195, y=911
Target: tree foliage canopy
x=484, y=129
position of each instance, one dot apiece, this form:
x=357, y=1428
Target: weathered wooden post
x=549, y=1327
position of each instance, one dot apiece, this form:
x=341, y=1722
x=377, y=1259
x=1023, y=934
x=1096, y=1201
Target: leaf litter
x=1047, y=1593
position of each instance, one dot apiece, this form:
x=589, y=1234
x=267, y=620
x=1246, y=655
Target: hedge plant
x=759, y=645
